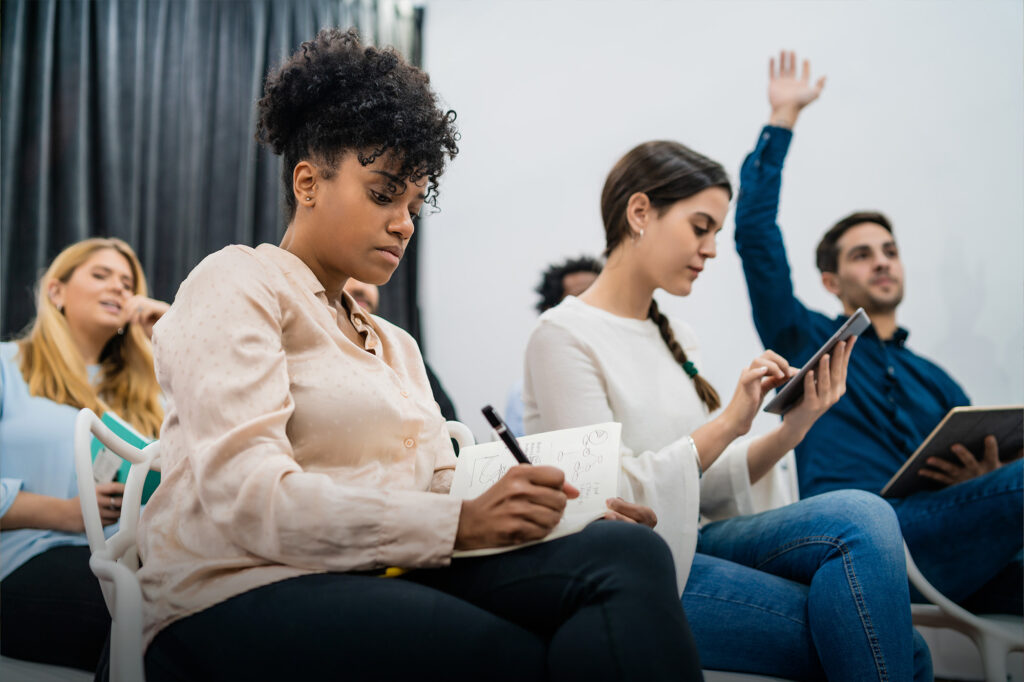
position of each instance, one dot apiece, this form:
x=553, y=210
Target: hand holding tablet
x=791, y=393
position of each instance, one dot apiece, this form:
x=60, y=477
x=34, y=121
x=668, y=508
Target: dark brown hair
x=828, y=249
x=666, y=172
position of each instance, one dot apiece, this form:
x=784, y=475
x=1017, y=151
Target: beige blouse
x=286, y=449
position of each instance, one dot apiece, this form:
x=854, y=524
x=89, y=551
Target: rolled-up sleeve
x=9, y=489
x=220, y=356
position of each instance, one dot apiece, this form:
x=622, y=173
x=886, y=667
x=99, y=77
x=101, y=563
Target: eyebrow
x=711, y=221
x=107, y=271
x=891, y=242
x=398, y=181
x=858, y=248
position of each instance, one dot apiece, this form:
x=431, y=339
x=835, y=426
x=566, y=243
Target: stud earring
x=639, y=235
x=309, y=198
x=120, y=331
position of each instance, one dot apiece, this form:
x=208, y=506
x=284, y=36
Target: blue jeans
x=966, y=539
x=815, y=589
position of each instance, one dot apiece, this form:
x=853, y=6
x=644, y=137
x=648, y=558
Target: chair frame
x=115, y=560
x=996, y=636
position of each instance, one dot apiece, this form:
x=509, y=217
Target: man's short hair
x=550, y=288
x=828, y=248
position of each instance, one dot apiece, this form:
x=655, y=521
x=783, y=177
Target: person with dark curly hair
x=569, y=278
x=302, y=530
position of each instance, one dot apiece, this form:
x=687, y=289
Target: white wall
x=922, y=117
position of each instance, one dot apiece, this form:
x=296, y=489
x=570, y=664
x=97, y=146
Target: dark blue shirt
x=894, y=397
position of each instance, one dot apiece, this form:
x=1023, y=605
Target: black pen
x=504, y=434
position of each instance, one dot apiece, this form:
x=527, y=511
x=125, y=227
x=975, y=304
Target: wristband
x=696, y=457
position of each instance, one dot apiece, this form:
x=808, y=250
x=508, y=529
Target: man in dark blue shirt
x=966, y=536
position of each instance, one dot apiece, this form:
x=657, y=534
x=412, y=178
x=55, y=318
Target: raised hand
x=768, y=371
x=789, y=93
x=525, y=504
x=822, y=389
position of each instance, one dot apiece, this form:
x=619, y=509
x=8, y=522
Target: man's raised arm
x=781, y=319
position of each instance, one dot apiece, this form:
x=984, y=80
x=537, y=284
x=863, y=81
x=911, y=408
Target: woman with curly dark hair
x=301, y=530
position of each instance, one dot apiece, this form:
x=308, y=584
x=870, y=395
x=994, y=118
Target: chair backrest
x=115, y=560
x=461, y=434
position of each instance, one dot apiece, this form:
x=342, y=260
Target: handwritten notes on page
x=588, y=455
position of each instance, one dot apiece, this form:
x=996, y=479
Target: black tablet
x=791, y=392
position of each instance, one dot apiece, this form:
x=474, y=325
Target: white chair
x=115, y=560
x=28, y=671
x=995, y=636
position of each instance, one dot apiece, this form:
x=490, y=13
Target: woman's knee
x=627, y=548
x=860, y=517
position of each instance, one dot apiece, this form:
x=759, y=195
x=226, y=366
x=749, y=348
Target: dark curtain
x=135, y=119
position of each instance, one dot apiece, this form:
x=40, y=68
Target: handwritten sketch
x=589, y=456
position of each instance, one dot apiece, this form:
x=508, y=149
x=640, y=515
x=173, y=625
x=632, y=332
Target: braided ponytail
x=705, y=391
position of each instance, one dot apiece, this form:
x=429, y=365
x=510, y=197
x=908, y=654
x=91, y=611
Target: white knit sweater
x=585, y=365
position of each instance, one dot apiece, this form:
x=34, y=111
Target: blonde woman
x=88, y=347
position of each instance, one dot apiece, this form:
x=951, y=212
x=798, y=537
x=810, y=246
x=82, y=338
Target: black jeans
x=52, y=610
x=600, y=604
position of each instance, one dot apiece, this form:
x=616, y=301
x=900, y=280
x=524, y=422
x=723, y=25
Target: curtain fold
x=136, y=119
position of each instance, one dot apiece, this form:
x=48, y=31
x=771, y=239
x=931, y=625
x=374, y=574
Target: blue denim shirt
x=894, y=397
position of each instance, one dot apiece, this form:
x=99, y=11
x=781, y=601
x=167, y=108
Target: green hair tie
x=690, y=369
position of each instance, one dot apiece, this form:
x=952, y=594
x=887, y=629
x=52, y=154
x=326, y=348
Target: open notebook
x=588, y=455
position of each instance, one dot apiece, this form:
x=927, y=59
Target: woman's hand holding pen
x=525, y=504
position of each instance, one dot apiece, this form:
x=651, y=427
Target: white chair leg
x=993, y=658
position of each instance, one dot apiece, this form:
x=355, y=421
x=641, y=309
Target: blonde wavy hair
x=54, y=368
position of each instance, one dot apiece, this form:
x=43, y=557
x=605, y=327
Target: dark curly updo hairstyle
x=551, y=289
x=666, y=172
x=336, y=95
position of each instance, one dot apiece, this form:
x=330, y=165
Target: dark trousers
x=600, y=604
x=52, y=610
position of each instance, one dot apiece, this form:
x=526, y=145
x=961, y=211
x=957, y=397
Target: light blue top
x=514, y=410
x=37, y=456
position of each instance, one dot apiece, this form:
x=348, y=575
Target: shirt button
x=409, y=442
x=891, y=370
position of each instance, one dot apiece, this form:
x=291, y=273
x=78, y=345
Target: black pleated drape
x=135, y=119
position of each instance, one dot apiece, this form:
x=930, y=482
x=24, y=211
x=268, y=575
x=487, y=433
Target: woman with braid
x=813, y=590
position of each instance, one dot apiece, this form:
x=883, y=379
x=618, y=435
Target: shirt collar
x=899, y=337
x=357, y=311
